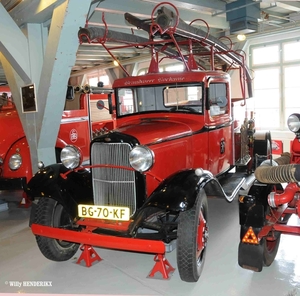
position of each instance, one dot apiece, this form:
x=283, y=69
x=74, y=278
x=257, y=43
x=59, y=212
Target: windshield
x=160, y=98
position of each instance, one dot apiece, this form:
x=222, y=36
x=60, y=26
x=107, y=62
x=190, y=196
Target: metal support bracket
x=89, y=255
x=25, y=202
x=162, y=265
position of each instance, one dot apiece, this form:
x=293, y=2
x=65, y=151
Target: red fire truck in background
x=85, y=116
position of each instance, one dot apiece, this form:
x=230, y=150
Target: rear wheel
x=271, y=243
x=192, y=240
x=51, y=213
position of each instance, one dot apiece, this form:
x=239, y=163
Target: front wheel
x=192, y=236
x=51, y=213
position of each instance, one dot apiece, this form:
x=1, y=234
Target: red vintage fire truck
x=77, y=127
x=175, y=144
x=271, y=201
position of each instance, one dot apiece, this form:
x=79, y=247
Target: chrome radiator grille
x=113, y=186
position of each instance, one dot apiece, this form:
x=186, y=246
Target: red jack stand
x=89, y=255
x=162, y=265
x=25, y=202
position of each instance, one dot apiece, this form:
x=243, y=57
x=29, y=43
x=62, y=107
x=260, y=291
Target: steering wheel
x=182, y=108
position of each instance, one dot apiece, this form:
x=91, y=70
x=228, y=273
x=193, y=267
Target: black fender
x=176, y=193
x=73, y=189
x=253, y=207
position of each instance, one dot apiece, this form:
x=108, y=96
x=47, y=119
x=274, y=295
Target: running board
x=228, y=187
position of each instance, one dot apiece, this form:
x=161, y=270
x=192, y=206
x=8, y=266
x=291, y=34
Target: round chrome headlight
x=71, y=157
x=141, y=158
x=293, y=123
x=15, y=161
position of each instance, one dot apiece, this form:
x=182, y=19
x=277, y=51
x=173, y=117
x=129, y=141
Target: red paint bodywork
x=295, y=151
x=180, y=132
x=185, y=149
x=104, y=241
x=284, y=202
x=76, y=128
x=179, y=141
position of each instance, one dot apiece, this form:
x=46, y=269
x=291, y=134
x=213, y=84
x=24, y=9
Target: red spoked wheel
x=192, y=239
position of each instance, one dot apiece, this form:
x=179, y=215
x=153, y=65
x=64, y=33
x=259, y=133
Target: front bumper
x=99, y=240
x=13, y=184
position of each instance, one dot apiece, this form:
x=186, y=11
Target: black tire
x=192, y=235
x=51, y=213
x=270, y=248
x=271, y=245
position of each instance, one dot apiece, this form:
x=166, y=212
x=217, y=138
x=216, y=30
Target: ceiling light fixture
x=116, y=63
x=241, y=37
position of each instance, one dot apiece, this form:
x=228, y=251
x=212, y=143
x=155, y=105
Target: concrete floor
x=125, y=273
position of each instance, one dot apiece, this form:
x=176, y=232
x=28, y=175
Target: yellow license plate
x=104, y=212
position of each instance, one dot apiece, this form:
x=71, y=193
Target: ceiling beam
x=111, y=65
x=33, y=11
x=195, y=4
x=97, y=57
x=289, y=5
x=188, y=11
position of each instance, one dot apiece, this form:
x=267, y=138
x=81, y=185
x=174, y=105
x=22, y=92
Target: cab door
x=220, y=141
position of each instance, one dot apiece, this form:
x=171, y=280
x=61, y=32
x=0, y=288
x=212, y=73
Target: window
x=266, y=101
x=174, y=68
x=265, y=55
x=218, y=99
x=183, y=96
x=177, y=67
x=94, y=78
x=291, y=90
x=291, y=51
x=160, y=98
x=276, y=83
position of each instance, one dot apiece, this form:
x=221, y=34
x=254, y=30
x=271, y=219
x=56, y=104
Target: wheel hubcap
x=202, y=236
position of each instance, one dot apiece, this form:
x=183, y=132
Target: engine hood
x=152, y=131
x=11, y=130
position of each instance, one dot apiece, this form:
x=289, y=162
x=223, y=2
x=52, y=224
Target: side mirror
x=100, y=105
